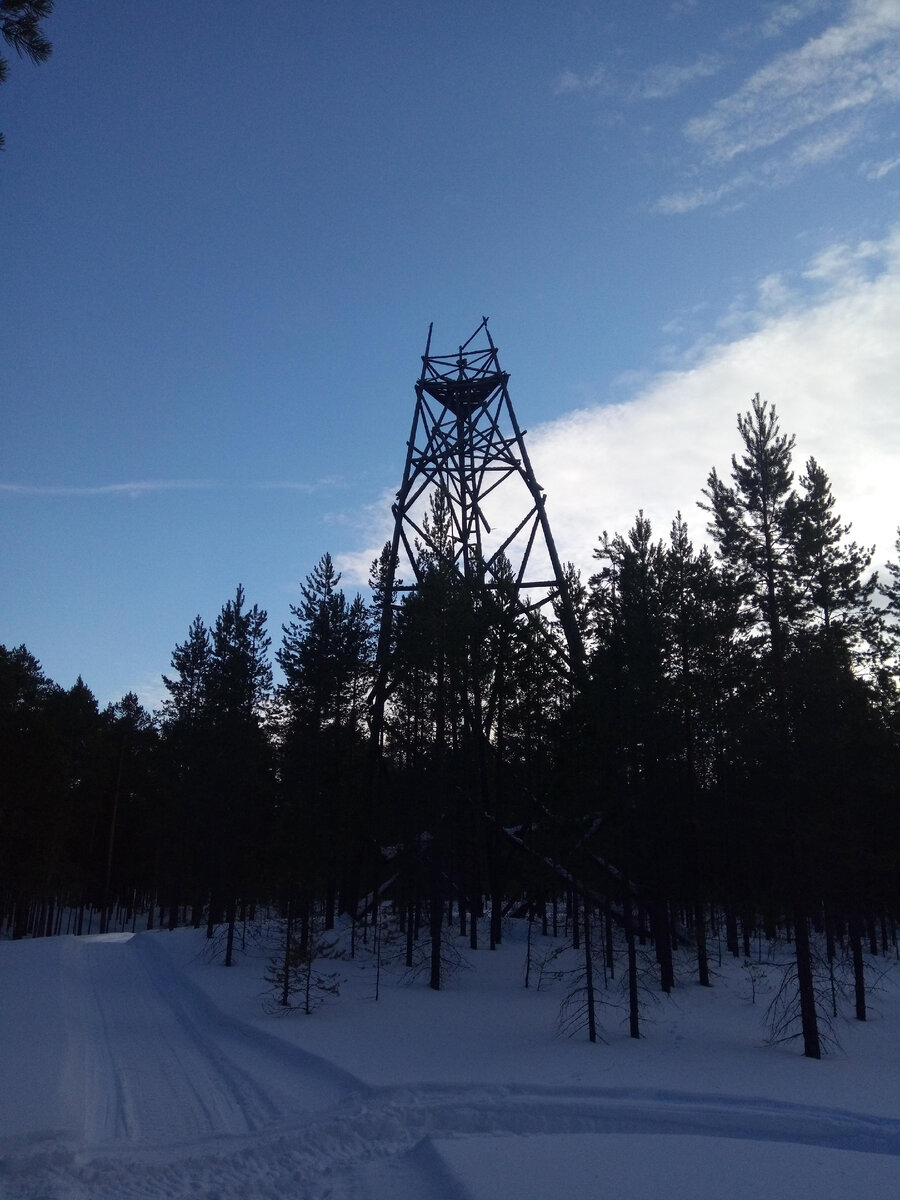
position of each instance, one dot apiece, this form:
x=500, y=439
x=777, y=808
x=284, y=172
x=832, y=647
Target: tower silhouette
x=466, y=458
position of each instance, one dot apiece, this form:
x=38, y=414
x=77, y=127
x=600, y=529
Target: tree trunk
x=232, y=921
x=663, y=939
x=702, y=956
x=806, y=986
x=731, y=931
x=608, y=930
x=588, y=972
x=628, y=922
x=436, y=922
x=859, y=978
x=410, y=931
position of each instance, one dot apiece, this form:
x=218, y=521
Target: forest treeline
x=731, y=746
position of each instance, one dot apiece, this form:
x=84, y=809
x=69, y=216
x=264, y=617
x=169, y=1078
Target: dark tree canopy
x=20, y=25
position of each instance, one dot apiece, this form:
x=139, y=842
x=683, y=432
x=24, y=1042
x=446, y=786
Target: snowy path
x=316, y=1155
x=159, y=1061
x=168, y=1096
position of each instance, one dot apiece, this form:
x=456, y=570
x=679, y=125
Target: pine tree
x=135, y=832
x=311, y=651
x=696, y=643
x=188, y=690
x=326, y=658
x=34, y=812
x=629, y=601
x=831, y=570
x=240, y=675
x=890, y=592
x=239, y=687
x=755, y=525
x=189, y=755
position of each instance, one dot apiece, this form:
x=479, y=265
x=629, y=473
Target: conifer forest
x=726, y=754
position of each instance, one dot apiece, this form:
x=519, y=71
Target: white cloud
x=773, y=293
x=136, y=488
x=569, y=82
x=878, y=170
x=144, y=487
x=151, y=691
x=699, y=197
x=377, y=522
x=318, y=485
x=850, y=66
x=655, y=83
x=842, y=266
x=667, y=79
x=783, y=16
x=830, y=364
x=824, y=146
x=775, y=171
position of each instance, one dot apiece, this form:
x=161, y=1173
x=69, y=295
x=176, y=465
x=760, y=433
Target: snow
x=139, y=1067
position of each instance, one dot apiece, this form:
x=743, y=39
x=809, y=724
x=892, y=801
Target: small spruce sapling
x=294, y=975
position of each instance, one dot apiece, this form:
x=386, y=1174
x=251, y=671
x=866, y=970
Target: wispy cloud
x=807, y=106
x=376, y=526
x=151, y=691
x=850, y=66
x=825, y=146
x=658, y=82
x=782, y=16
x=699, y=197
x=842, y=266
x=145, y=487
x=570, y=82
x=775, y=171
x=878, y=170
x=667, y=79
x=804, y=109
x=132, y=489
x=318, y=485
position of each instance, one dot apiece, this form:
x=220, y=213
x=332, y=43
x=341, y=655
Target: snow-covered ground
x=135, y=1067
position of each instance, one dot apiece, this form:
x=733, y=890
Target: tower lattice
x=466, y=445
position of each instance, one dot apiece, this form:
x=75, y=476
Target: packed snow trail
x=317, y=1155
x=167, y=1096
x=152, y=1060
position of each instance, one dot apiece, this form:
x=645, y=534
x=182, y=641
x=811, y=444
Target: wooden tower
x=466, y=445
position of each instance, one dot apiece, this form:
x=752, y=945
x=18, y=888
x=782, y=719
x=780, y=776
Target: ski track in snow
x=178, y=1099
x=166, y=1054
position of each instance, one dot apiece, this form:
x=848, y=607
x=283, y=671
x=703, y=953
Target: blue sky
x=226, y=231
